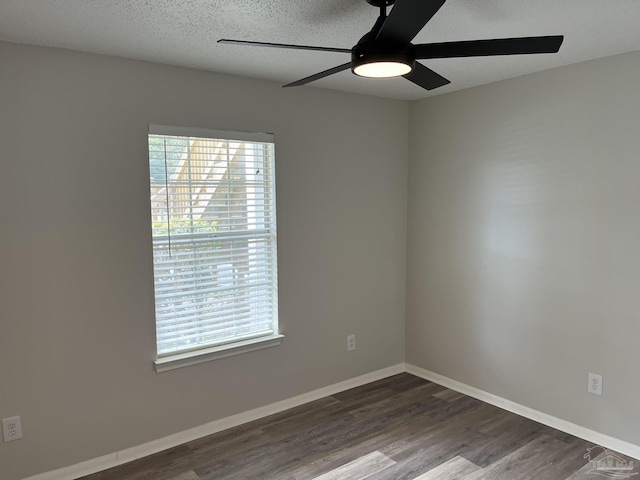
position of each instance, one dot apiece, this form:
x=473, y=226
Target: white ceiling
x=184, y=33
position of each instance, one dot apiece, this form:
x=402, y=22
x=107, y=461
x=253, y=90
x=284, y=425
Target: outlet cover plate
x=11, y=429
x=595, y=384
x=351, y=343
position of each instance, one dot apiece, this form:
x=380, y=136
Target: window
x=214, y=243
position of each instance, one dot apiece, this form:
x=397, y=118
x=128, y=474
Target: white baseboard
x=118, y=458
x=598, y=438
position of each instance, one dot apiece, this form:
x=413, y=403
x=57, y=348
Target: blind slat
x=195, y=329
x=232, y=316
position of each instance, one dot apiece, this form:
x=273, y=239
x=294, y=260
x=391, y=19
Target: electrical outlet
x=595, y=384
x=11, y=429
x=351, y=343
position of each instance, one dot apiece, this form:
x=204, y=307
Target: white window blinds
x=214, y=237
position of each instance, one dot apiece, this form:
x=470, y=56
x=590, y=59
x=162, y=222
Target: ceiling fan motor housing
x=369, y=52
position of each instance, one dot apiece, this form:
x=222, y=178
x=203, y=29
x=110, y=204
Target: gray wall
x=524, y=240
x=76, y=291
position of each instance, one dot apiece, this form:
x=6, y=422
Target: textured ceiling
x=184, y=32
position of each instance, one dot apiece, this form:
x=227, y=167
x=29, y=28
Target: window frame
x=204, y=353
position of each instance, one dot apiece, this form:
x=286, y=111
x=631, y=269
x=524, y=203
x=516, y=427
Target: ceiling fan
x=387, y=51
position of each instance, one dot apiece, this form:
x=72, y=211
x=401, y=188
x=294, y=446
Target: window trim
x=210, y=133
x=172, y=361
x=194, y=357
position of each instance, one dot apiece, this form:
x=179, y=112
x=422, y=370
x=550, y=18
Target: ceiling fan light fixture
x=382, y=69
x=382, y=65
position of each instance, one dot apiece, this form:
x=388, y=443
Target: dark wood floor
x=399, y=428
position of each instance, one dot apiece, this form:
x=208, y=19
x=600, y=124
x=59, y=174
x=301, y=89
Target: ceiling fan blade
x=284, y=45
x=425, y=77
x=406, y=19
x=485, y=48
x=320, y=75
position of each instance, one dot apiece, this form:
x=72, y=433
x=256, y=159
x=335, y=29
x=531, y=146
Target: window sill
x=171, y=362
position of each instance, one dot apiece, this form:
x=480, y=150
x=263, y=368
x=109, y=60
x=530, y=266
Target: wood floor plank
x=572, y=457
x=359, y=469
x=531, y=461
x=502, y=443
x=406, y=381
x=294, y=414
x=422, y=395
x=369, y=388
x=448, y=395
x=457, y=468
x=342, y=451
x=190, y=475
x=272, y=460
x=311, y=424
x=446, y=410
x=235, y=441
x=500, y=422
